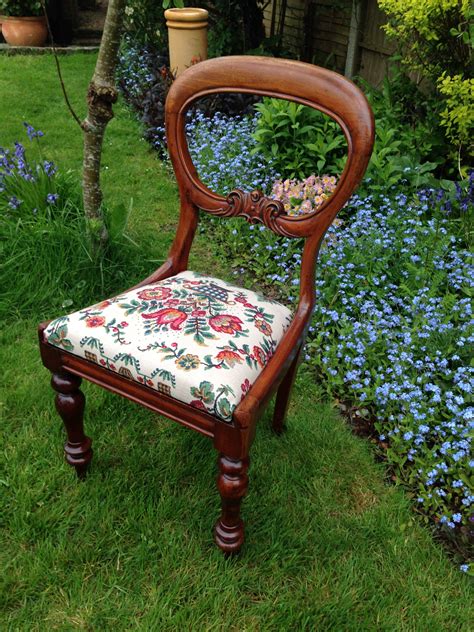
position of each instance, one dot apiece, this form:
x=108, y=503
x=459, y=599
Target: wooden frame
x=296, y=81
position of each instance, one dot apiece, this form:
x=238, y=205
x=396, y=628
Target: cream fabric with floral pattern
x=195, y=338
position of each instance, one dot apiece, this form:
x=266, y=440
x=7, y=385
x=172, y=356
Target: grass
x=330, y=546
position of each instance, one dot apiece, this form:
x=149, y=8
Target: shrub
x=300, y=140
x=21, y=8
x=458, y=115
x=435, y=40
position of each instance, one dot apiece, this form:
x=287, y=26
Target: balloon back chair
x=194, y=348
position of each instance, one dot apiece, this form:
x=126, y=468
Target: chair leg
x=70, y=402
x=283, y=396
x=232, y=483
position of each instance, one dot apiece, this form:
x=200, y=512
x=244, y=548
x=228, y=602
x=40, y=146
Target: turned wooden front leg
x=232, y=483
x=70, y=402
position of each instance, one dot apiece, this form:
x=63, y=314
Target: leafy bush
x=458, y=115
x=234, y=27
x=300, y=140
x=21, y=8
x=435, y=40
x=144, y=23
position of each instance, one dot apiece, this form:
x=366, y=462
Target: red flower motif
x=260, y=356
x=172, y=302
x=154, y=293
x=172, y=317
x=229, y=357
x=95, y=321
x=240, y=299
x=263, y=326
x=124, y=323
x=226, y=323
x=198, y=312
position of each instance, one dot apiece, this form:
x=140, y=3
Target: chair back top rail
x=296, y=81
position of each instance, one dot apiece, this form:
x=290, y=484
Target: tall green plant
x=435, y=39
x=299, y=140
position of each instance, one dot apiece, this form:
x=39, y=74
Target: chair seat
x=195, y=338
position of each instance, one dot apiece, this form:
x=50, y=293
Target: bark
x=101, y=96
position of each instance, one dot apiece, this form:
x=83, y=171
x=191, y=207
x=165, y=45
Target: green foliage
x=45, y=237
x=21, y=8
x=458, y=115
x=433, y=35
x=435, y=40
x=234, y=27
x=144, y=22
x=169, y=4
x=299, y=140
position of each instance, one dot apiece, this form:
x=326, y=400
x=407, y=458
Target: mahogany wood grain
x=70, y=403
x=303, y=83
x=232, y=483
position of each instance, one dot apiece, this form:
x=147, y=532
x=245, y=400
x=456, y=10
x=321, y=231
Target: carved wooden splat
x=255, y=207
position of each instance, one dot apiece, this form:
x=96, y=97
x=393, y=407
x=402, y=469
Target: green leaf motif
x=224, y=408
x=204, y=392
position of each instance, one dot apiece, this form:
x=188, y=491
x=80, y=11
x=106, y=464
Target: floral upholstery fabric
x=195, y=338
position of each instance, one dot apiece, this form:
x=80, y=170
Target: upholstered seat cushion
x=195, y=338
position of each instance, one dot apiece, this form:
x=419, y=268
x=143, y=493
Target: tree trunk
x=101, y=95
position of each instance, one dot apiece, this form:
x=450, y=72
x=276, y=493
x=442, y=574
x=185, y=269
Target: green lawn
x=330, y=546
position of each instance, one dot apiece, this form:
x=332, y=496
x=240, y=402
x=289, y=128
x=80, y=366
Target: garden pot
x=28, y=31
x=187, y=35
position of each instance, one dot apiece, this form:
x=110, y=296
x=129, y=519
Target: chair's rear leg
x=70, y=402
x=283, y=396
x=232, y=483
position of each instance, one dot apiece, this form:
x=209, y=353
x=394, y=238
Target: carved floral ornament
x=255, y=207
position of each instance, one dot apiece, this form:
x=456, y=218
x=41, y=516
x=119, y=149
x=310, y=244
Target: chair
x=200, y=351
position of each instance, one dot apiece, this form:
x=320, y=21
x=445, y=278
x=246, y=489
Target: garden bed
x=393, y=325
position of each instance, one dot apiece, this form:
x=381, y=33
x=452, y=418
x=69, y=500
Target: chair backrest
x=296, y=81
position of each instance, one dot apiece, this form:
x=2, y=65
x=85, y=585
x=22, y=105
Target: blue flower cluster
x=393, y=327
x=21, y=179
x=222, y=150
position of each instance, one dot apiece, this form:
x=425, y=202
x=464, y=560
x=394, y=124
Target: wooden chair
x=196, y=349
